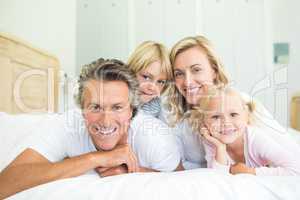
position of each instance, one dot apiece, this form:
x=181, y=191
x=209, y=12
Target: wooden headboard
x=28, y=77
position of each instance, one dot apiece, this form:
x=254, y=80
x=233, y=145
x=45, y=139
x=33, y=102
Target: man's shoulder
x=147, y=123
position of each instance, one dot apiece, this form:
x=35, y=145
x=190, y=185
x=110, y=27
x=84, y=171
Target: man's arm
x=30, y=168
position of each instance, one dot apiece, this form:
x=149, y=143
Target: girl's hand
x=221, y=154
x=214, y=141
x=241, y=168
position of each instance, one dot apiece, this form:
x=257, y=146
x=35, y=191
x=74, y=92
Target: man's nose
x=106, y=118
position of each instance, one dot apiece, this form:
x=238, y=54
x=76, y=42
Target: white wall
x=237, y=28
x=46, y=24
x=286, y=28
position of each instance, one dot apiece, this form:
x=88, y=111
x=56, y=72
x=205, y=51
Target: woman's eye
x=178, y=74
x=215, y=117
x=197, y=69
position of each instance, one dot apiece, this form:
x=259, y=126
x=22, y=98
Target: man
x=111, y=141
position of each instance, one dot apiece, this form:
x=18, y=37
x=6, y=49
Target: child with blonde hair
x=150, y=62
x=233, y=144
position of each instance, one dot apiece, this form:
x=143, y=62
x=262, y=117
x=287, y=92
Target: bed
x=15, y=130
x=191, y=184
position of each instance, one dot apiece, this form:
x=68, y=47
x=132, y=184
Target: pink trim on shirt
x=268, y=153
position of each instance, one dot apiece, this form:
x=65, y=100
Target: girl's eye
x=145, y=77
x=234, y=114
x=162, y=82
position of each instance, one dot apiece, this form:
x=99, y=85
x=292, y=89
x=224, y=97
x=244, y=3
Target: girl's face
x=192, y=71
x=226, y=118
x=151, y=82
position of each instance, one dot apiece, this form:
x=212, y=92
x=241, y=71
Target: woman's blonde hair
x=147, y=53
x=178, y=105
x=196, y=115
x=108, y=70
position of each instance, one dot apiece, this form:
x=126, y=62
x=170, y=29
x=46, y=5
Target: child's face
x=227, y=117
x=151, y=82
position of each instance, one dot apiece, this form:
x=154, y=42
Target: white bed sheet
x=194, y=184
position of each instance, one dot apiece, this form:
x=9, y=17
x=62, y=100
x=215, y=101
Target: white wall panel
x=218, y=27
x=181, y=20
x=149, y=20
x=249, y=42
x=102, y=30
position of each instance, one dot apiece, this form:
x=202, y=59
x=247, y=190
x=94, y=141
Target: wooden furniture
x=28, y=77
x=295, y=112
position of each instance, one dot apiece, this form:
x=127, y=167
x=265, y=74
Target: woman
x=196, y=68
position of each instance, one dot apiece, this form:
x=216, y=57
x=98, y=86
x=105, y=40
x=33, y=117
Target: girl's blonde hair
x=197, y=114
x=147, y=53
x=178, y=105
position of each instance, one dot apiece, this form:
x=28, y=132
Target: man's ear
x=132, y=112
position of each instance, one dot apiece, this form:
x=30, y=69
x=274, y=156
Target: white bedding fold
x=194, y=184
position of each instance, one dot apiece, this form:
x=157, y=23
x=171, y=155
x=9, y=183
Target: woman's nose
x=188, y=79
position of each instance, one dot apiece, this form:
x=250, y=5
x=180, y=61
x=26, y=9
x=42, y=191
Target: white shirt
x=66, y=136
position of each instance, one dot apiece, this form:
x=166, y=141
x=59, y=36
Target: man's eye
x=117, y=108
x=94, y=108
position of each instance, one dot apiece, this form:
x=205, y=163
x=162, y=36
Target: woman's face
x=151, y=82
x=193, y=72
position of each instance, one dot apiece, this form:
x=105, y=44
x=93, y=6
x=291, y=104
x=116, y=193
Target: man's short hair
x=108, y=70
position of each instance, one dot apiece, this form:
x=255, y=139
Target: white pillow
x=14, y=130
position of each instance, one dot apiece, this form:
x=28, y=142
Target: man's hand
x=122, y=154
x=104, y=172
x=241, y=168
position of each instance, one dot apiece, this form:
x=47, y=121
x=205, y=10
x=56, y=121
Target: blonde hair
x=178, y=105
x=197, y=114
x=147, y=53
x=108, y=70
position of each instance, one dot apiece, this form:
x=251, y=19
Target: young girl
x=233, y=145
x=150, y=62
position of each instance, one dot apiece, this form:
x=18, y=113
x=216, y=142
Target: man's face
x=107, y=112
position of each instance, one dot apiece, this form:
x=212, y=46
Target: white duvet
x=197, y=184
x=194, y=184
